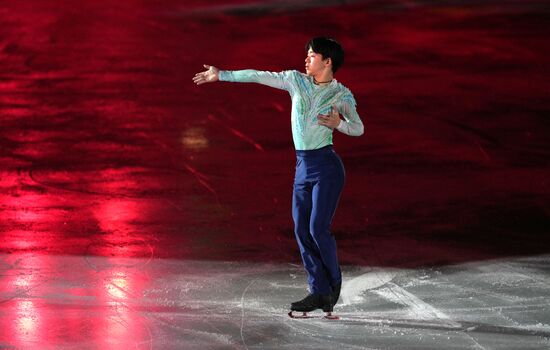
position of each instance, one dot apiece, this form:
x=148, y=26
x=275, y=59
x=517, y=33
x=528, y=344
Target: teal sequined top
x=308, y=101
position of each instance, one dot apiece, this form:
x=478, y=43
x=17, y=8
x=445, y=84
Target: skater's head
x=323, y=53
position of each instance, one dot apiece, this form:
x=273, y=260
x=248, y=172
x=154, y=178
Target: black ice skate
x=310, y=303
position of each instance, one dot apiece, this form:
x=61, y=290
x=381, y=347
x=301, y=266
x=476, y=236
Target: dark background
x=108, y=148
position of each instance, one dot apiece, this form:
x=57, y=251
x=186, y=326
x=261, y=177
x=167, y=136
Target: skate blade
x=330, y=316
x=303, y=315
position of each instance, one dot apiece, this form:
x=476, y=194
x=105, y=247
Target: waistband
x=315, y=152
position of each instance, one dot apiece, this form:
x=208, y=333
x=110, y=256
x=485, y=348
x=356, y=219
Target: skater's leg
x=301, y=212
x=325, y=197
x=301, y=209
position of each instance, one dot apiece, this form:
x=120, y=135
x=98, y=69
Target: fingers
x=331, y=115
x=206, y=66
x=330, y=120
x=199, y=78
x=323, y=119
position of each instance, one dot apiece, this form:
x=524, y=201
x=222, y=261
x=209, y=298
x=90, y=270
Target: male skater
x=318, y=100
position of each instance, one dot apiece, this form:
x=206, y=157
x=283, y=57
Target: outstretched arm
x=276, y=80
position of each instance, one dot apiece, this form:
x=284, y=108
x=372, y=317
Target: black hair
x=328, y=48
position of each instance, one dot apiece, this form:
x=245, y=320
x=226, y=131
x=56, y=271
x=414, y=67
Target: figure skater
x=318, y=101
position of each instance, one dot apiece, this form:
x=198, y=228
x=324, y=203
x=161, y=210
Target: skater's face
x=315, y=64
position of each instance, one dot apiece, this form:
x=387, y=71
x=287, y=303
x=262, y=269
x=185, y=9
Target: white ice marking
x=242, y=311
x=535, y=327
x=417, y=307
x=354, y=288
x=477, y=345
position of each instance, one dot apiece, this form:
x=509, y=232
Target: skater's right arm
x=272, y=79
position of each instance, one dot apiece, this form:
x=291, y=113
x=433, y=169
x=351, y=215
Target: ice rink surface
x=114, y=303
x=139, y=211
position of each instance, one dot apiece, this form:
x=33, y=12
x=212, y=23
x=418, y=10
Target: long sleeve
x=276, y=80
x=352, y=125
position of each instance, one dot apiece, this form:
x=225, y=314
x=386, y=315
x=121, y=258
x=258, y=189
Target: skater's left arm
x=351, y=124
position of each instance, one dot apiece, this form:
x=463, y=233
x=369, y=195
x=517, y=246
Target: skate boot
x=310, y=303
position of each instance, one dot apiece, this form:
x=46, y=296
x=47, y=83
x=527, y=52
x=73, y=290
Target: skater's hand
x=208, y=76
x=331, y=120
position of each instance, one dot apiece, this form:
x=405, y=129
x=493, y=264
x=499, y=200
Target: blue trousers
x=318, y=184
